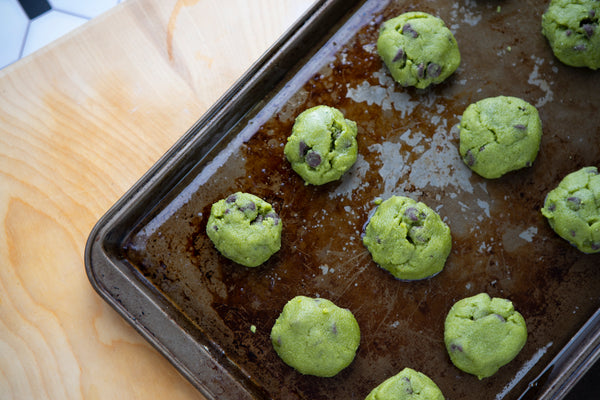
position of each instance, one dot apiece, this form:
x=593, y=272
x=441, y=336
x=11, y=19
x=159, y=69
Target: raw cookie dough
x=418, y=49
x=315, y=336
x=483, y=334
x=573, y=209
x=245, y=229
x=407, y=385
x=408, y=239
x=571, y=27
x=322, y=146
x=499, y=134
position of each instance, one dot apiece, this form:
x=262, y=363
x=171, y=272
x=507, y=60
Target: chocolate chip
x=407, y=29
x=313, y=159
x=303, y=149
x=592, y=13
x=433, y=70
x=500, y=317
x=589, y=29
x=456, y=347
x=595, y=246
x=421, y=70
x=568, y=32
x=520, y=127
x=274, y=216
x=552, y=207
x=408, y=387
x=579, y=47
x=250, y=206
x=469, y=158
x=528, y=163
x=334, y=329
x=482, y=148
x=216, y=228
x=412, y=213
x=574, y=203
x=400, y=55
x=231, y=199
x=573, y=233
x=259, y=218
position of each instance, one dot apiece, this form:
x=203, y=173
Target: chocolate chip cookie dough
x=573, y=209
x=408, y=239
x=322, y=146
x=418, y=49
x=245, y=229
x=408, y=384
x=498, y=135
x=315, y=336
x=571, y=27
x=483, y=334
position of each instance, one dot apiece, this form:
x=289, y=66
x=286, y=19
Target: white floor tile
x=86, y=8
x=48, y=27
x=13, y=27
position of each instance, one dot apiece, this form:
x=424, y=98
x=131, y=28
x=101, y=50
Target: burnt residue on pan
x=408, y=145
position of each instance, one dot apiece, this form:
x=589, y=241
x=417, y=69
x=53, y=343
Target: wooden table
x=80, y=121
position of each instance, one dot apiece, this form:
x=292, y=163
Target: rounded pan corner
x=160, y=324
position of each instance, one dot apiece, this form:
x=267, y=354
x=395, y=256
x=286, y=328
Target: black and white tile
x=28, y=25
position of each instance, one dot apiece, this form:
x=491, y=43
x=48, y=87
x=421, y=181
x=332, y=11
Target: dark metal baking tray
x=149, y=258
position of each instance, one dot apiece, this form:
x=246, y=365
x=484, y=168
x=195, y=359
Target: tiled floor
x=28, y=25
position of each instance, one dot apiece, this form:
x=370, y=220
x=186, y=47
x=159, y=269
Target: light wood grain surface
x=80, y=121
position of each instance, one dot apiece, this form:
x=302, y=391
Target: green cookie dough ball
x=571, y=27
x=573, y=209
x=315, y=336
x=498, y=135
x=245, y=229
x=322, y=146
x=483, y=334
x=418, y=49
x=407, y=385
x=408, y=239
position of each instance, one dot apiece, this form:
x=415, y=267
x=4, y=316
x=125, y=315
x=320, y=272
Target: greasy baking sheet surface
x=408, y=145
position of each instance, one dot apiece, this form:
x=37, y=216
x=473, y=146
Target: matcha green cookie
x=315, y=336
x=418, y=49
x=408, y=239
x=407, y=385
x=483, y=334
x=573, y=209
x=571, y=27
x=322, y=146
x=245, y=229
x=499, y=134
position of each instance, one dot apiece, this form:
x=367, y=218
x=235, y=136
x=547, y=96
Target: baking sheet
x=408, y=145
